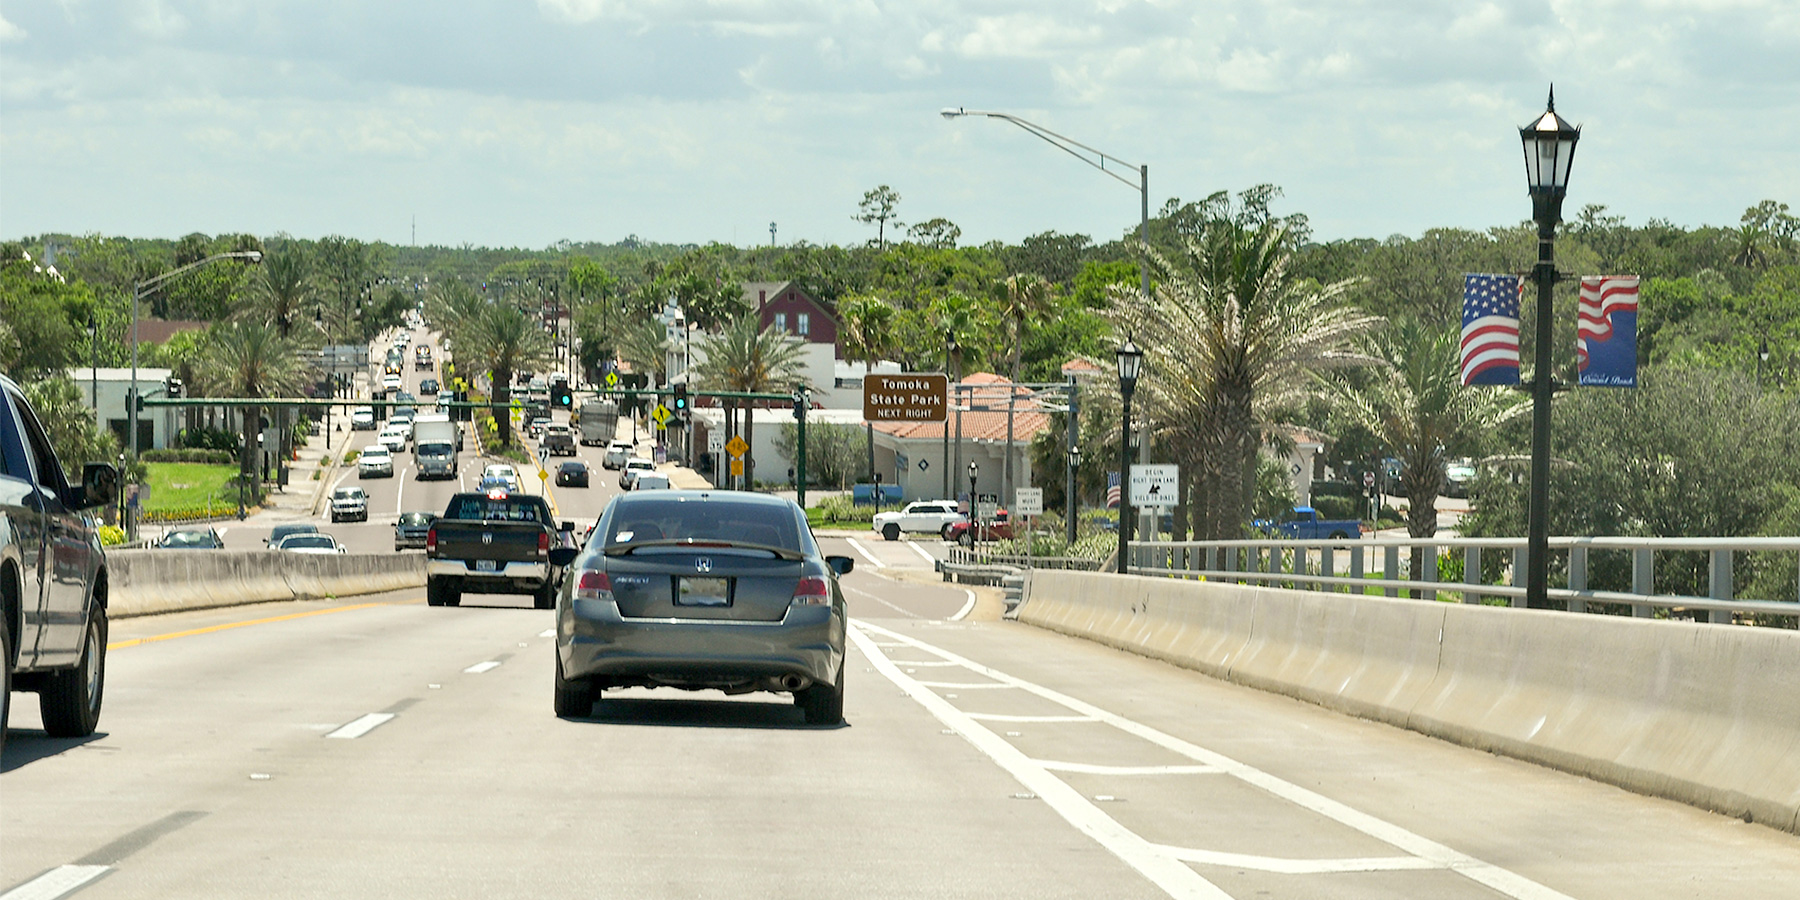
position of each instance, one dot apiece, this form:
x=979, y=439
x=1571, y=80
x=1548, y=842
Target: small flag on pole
x=1112, y=490
x=1606, y=342
x=1490, y=332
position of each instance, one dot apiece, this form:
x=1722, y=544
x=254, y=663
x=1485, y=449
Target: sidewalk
x=300, y=499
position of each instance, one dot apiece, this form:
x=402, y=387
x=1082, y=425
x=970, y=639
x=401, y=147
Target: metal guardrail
x=1327, y=565
x=979, y=557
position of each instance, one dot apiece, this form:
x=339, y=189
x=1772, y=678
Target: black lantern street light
x=974, y=471
x=1131, y=364
x=950, y=348
x=1074, y=507
x=1762, y=358
x=1549, y=146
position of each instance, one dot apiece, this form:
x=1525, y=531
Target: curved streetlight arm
x=1068, y=145
x=145, y=287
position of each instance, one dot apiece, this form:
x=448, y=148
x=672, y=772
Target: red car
x=1000, y=529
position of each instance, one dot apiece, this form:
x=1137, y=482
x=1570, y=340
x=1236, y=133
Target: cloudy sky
x=524, y=122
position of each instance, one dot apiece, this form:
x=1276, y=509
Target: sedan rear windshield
x=703, y=519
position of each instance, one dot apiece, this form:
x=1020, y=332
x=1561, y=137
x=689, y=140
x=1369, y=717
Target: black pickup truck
x=495, y=543
x=52, y=576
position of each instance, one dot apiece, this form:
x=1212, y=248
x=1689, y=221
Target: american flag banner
x=1490, y=332
x=1606, y=333
x=1112, y=490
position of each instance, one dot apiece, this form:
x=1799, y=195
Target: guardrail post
x=1578, y=577
x=1327, y=569
x=1390, y=568
x=1472, y=573
x=1193, y=560
x=1719, y=584
x=1643, y=580
x=1428, y=571
x=1518, y=572
x=1356, y=567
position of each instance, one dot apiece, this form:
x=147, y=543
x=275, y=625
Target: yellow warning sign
x=661, y=414
x=737, y=465
x=736, y=447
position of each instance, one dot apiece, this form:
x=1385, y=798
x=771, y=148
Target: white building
x=157, y=426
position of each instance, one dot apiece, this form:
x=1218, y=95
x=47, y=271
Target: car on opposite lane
x=349, y=503
x=411, y=528
x=428, y=387
x=573, y=473
x=697, y=590
x=375, y=461
x=191, y=539
x=317, y=543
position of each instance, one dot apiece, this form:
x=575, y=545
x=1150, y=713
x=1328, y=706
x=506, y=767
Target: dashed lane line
x=361, y=725
x=481, y=667
x=997, y=717
x=1433, y=854
x=1091, y=769
x=921, y=551
x=58, y=882
x=1284, y=866
x=858, y=547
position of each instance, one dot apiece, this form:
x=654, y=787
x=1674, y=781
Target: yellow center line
x=115, y=645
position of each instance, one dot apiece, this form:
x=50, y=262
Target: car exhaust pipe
x=795, y=682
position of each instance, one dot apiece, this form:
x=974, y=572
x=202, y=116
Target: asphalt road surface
x=377, y=747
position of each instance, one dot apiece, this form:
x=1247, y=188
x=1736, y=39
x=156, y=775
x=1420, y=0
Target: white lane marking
x=910, y=663
x=1502, y=880
x=1091, y=769
x=921, y=551
x=548, y=632
x=997, y=717
x=1282, y=866
x=1171, y=875
x=481, y=667
x=400, y=490
x=965, y=685
x=857, y=545
x=58, y=882
x=361, y=726
x=884, y=602
x=966, y=607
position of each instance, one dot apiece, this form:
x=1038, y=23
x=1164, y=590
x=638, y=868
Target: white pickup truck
x=935, y=516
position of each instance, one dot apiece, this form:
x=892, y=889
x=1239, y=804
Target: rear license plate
x=485, y=565
x=702, y=592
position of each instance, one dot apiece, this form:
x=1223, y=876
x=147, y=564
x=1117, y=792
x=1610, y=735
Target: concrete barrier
x=1703, y=714
x=144, y=582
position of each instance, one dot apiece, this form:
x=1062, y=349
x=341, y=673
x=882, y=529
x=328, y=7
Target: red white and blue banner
x=1606, y=337
x=1490, y=332
x=1112, y=490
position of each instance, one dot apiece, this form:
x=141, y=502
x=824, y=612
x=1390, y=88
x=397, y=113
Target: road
x=377, y=747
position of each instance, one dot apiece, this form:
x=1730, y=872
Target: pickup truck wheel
x=890, y=531
x=574, y=698
x=823, y=704
x=1339, y=535
x=544, y=597
x=70, y=700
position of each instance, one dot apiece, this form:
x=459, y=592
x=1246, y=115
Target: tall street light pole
x=1549, y=145
x=144, y=289
x=1131, y=364
x=1098, y=160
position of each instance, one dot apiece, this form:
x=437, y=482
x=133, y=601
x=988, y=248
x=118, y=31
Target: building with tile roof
x=919, y=455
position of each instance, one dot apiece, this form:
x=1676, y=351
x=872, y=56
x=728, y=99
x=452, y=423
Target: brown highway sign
x=917, y=397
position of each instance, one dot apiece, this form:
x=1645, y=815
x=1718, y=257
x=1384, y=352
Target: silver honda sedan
x=699, y=590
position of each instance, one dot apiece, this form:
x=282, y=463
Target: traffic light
x=560, y=395
x=799, y=404
x=173, y=387
x=681, y=399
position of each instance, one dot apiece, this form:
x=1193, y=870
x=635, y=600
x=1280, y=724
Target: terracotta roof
x=1081, y=368
x=157, y=331
x=985, y=423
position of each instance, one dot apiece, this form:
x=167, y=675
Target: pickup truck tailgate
x=494, y=543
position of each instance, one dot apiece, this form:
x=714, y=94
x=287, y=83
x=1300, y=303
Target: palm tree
x=282, y=290
x=958, y=316
x=251, y=359
x=1232, y=340
x=645, y=345
x=868, y=336
x=1415, y=402
x=503, y=340
x=1027, y=300
x=747, y=358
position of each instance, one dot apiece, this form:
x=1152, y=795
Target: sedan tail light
x=811, y=591
x=431, y=540
x=593, y=585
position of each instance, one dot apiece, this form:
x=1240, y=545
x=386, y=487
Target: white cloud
x=10, y=32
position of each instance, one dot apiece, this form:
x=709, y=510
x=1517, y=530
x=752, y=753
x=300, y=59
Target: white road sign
x=1028, y=502
x=715, y=442
x=1155, y=485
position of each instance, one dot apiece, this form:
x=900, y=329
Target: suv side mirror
x=99, y=485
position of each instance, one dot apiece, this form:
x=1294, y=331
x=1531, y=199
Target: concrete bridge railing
x=144, y=582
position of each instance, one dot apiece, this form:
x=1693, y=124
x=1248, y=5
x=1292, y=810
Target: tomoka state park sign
x=917, y=397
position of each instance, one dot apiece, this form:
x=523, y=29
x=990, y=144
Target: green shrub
x=190, y=455
x=1340, y=507
x=111, y=535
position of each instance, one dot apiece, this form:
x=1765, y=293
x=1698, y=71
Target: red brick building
x=784, y=306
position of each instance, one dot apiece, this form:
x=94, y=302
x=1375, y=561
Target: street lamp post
x=950, y=348
x=1549, y=145
x=1131, y=364
x=1098, y=160
x=143, y=289
x=974, y=470
x=1762, y=358
x=1071, y=503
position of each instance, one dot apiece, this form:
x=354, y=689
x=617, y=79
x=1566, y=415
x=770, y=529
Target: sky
x=521, y=123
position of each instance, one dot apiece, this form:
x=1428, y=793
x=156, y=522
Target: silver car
x=697, y=590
